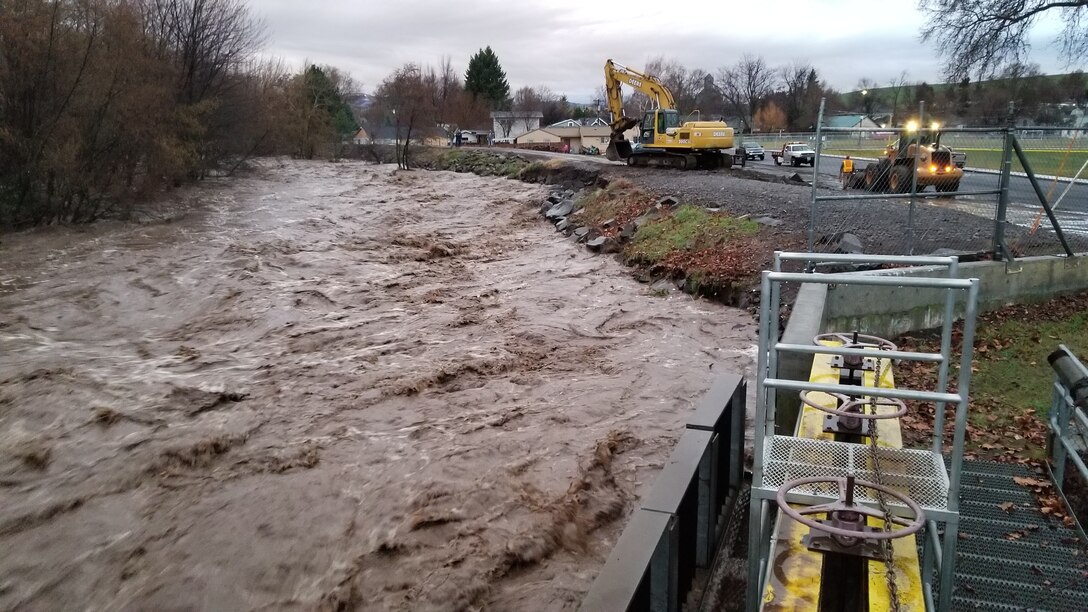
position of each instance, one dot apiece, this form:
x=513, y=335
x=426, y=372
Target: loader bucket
x=618, y=149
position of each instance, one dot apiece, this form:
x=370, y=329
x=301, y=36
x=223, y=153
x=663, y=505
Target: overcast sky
x=563, y=44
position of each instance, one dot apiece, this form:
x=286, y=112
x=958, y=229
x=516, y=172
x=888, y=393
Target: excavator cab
x=654, y=123
x=658, y=121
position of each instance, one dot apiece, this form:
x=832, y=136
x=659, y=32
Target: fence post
x=1003, y=198
x=914, y=176
x=815, y=176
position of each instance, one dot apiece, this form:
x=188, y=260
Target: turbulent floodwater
x=333, y=385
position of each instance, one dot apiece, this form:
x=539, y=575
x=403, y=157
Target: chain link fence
x=922, y=190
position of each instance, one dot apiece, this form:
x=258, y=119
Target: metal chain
x=885, y=545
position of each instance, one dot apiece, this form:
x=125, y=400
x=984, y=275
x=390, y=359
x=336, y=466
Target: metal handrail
x=1063, y=411
x=914, y=260
x=822, y=349
x=857, y=279
x=769, y=385
x=903, y=394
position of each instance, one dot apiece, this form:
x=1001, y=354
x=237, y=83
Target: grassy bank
x=1011, y=379
x=712, y=252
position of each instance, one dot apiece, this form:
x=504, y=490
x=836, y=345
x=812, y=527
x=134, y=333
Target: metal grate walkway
x=1018, y=559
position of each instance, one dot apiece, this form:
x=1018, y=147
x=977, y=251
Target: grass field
x=1011, y=378
x=1048, y=156
x=1043, y=162
x=1052, y=156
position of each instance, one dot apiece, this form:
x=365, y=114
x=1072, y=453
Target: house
x=361, y=137
x=575, y=138
x=585, y=121
x=511, y=124
x=1078, y=118
x=850, y=121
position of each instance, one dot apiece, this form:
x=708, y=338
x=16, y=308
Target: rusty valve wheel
x=848, y=403
x=846, y=503
x=857, y=341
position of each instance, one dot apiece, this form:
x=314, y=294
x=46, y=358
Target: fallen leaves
x=1031, y=482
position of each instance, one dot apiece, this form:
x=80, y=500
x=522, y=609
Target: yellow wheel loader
x=894, y=172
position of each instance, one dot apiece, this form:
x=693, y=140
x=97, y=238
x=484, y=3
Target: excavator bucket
x=618, y=146
x=618, y=149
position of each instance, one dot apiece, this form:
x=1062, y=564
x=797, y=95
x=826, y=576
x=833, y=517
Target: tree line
x=764, y=98
x=104, y=102
x=416, y=98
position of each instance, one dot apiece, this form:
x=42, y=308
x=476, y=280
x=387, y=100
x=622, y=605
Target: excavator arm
x=615, y=75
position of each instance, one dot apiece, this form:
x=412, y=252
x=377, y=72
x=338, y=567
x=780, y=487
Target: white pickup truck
x=795, y=154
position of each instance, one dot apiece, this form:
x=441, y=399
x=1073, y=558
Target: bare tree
x=745, y=85
x=896, y=88
x=979, y=36
x=684, y=84
x=204, y=39
x=530, y=99
x=795, y=78
x=865, y=97
x=407, y=97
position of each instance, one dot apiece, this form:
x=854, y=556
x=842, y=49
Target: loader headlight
x=933, y=169
x=948, y=168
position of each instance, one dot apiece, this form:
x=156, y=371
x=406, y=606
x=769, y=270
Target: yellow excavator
x=662, y=139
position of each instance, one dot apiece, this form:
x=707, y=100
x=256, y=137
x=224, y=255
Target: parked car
x=753, y=150
x=794, y=154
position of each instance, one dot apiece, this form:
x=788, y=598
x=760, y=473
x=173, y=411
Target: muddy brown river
x=333, y=386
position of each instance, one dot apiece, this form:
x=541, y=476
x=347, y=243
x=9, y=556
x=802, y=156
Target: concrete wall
x=890, y=311
x=806, y=321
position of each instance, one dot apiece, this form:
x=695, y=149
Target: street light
x=864, y=108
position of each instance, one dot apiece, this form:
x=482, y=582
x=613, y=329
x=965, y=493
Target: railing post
x=1057, y=432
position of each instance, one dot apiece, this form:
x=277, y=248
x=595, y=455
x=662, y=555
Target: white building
x=508, y=125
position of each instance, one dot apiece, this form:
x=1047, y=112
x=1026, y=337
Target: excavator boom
x=664, y=138
x=615, y=75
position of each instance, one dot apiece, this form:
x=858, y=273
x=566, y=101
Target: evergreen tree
x=324, y=94
x=486, y=79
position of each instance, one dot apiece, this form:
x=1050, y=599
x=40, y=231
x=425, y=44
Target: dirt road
x=333, y=385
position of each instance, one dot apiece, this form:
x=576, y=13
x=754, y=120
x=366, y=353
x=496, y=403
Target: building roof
x=584, y=121
x=845, y=121
x=549, y=131
x=572, y=132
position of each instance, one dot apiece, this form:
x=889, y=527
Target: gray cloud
x=563, y=44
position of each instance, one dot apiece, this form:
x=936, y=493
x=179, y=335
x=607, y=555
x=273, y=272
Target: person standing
x=846, y=171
